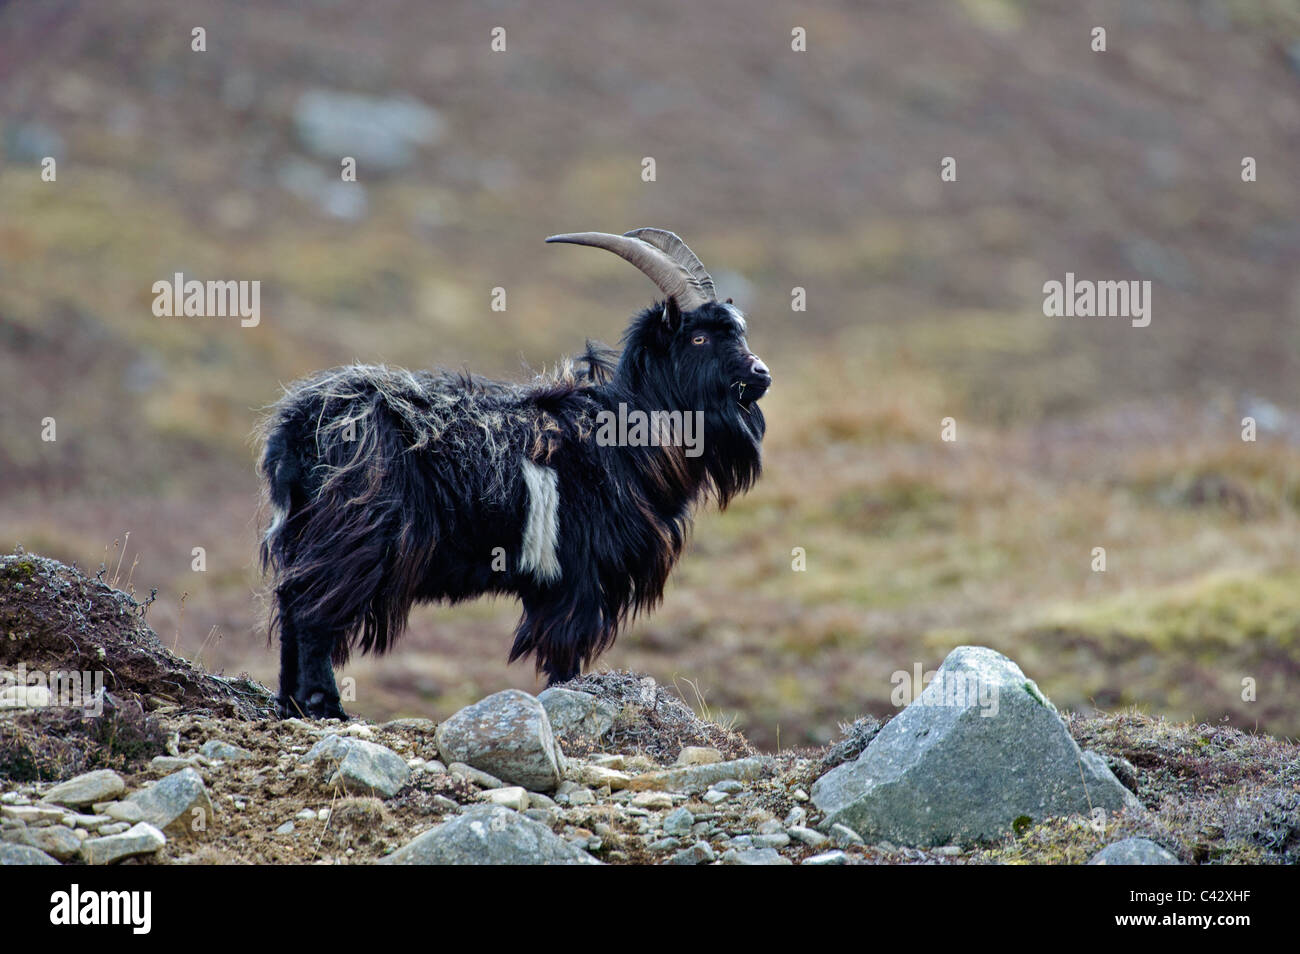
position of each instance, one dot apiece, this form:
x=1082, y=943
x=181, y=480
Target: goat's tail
x=348, y=543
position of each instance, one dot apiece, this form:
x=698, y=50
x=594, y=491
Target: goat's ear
x=672, y=316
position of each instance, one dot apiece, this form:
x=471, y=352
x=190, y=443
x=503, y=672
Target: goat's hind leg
x=307, y=687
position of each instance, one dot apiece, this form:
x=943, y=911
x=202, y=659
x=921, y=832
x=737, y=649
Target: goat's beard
x=733, y=448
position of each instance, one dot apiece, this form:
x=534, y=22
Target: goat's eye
x=699, y=339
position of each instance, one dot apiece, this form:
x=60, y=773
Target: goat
x=389, y=487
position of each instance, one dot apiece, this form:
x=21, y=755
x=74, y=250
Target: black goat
x=573, y=492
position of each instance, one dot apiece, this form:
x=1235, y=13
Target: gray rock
x=55, y=840
x=359, y=767
x=142, y=839
x=678, y=821
x=480, y=778
x=507, y=735
x=178, y=804
x=1134, y=851
x=700, y=778
x=97, y=786
x=381, y=133
x=124, y=811
x=492, y=835
x=89, y=822
x=777, y=839
x=980, y=748
x=697, y=854
x=543, y=816
x=664, y=844
x=11, y=854
x=754, y=856
x=512, y=796
x=576, y=715
x=285, y=829
x=113, y=828
x=827, y=858
x=34, y=814
x=217, y=749
x=811, y=838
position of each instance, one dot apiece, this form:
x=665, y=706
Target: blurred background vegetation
x=782, y=169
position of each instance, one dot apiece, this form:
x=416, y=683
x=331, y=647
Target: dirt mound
x=55, y=620
x=652, y=719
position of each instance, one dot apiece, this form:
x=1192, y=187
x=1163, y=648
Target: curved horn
x=662, y=256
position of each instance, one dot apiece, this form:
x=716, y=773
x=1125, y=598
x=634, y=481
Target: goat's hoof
x=321, y=706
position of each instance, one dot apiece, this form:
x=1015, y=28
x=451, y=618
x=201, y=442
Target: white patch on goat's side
x=538, y=554
x=738, y=315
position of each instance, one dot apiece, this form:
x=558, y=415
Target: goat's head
x=692, y=346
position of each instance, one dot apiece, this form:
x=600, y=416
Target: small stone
x=97, y=786
x=713, y=796
x=654, y=801
x=799, y=795
x=55, y=840
x=477, y=776
x=543, y=816
x=306, y=815
x=178, y=804
x=697, y=854
x=512, y=796
x=827, y=858
x=508, y=735
x=13, y=798
x=124, y=811
x=433, y=767
x=948, y=850
x=700, y=778
x=285, y=829
x=797, y=816
x=596, y=776
x=583, y=796
x=813, y=839
x=678, y=821
x=1134, y=851
x=842, y=836
x=445, y=804
x=575, y=715
x=663, y=844
x=323, y=814
x=616, y=762
x=489, y=834
x=538, y=800
x=778, y=840
x=142, y=839
x=729, y=785
x=754, y=856
x=34, y=814
x=115, y=828
x=89, y=822
x=359, y=767
x=698, y=755
x=11, y=854
x=225, y=751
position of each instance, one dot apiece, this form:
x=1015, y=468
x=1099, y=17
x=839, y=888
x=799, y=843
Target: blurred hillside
x=782, y=169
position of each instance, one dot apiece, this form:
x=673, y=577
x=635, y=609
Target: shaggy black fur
x=391, y=487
